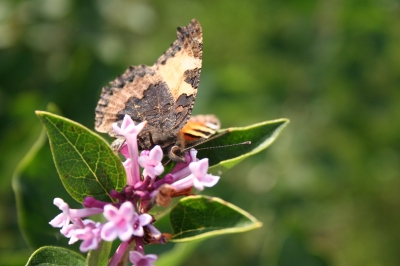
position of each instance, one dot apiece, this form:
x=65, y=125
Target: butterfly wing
x=180, y=68
x=163, y=94
x=199, y=127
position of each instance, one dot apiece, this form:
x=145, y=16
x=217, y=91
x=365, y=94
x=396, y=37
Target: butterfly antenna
x=201, y=141
x=225, y=146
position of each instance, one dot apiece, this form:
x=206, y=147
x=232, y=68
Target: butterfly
x=163, y=95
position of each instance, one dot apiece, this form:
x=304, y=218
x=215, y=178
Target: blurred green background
x=327, y=191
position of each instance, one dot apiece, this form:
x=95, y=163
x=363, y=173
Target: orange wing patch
x=199, y=127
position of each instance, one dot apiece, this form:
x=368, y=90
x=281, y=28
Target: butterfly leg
x=141, y=143
x=174, y=152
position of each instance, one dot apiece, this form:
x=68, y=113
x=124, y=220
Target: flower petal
x=209, y=180
x=199, y=168
x=158, y=169
x=151, y=257
x=138, y=259
x=197, y=184
x=58, y=221
x=109, y=232
x=111, y=212
x=126, y=233
x=156, y=153
x=135, y=256
x=145, y=219
x=138, y=231
x=126, y=211
x=183, y=183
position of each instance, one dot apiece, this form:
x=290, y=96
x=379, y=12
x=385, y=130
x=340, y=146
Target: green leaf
x=85, y=163
x=55, y=256
x=99, y=256
x=261, y=136
x=35, y=185
x=199, y=217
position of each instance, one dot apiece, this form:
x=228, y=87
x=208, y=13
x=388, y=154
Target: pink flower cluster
x=127, y=218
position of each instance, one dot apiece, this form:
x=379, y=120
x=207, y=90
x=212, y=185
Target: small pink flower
x=193, y=155
x=120, y=222
x=90, y=235
x=128, y=127
x=139, y=259
x=181, y=169
x=151, y=162
x=183, y=183
x=78, y=224
x=139, y=221
x=129, y=171
x=130, y=131
x=63, y=219
x=201, y=178
x=198, y=177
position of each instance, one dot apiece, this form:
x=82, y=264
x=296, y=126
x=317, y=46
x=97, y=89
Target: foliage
x=55, y=256
x=85, y=163
x=87, y=166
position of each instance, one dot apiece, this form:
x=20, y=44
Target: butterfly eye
x=176, y=154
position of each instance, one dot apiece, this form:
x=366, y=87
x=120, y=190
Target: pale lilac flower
x=181, y=169
x=90, y=235
x=196, y=175
x=182, y=176
x=139, y=259
x=63, y=219
x=67, y=215
x=78, y=224
x=130, y=131
x=193, y=155
x=129, y=171
x=151, y=162
x=201, y=178
x=139, y=221
x=120, y=222
x=183, y=183
x=128, y=127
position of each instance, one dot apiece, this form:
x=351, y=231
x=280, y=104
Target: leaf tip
x=38, y=112
x=40, y=115
x=286, y=122
x=257, y=224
